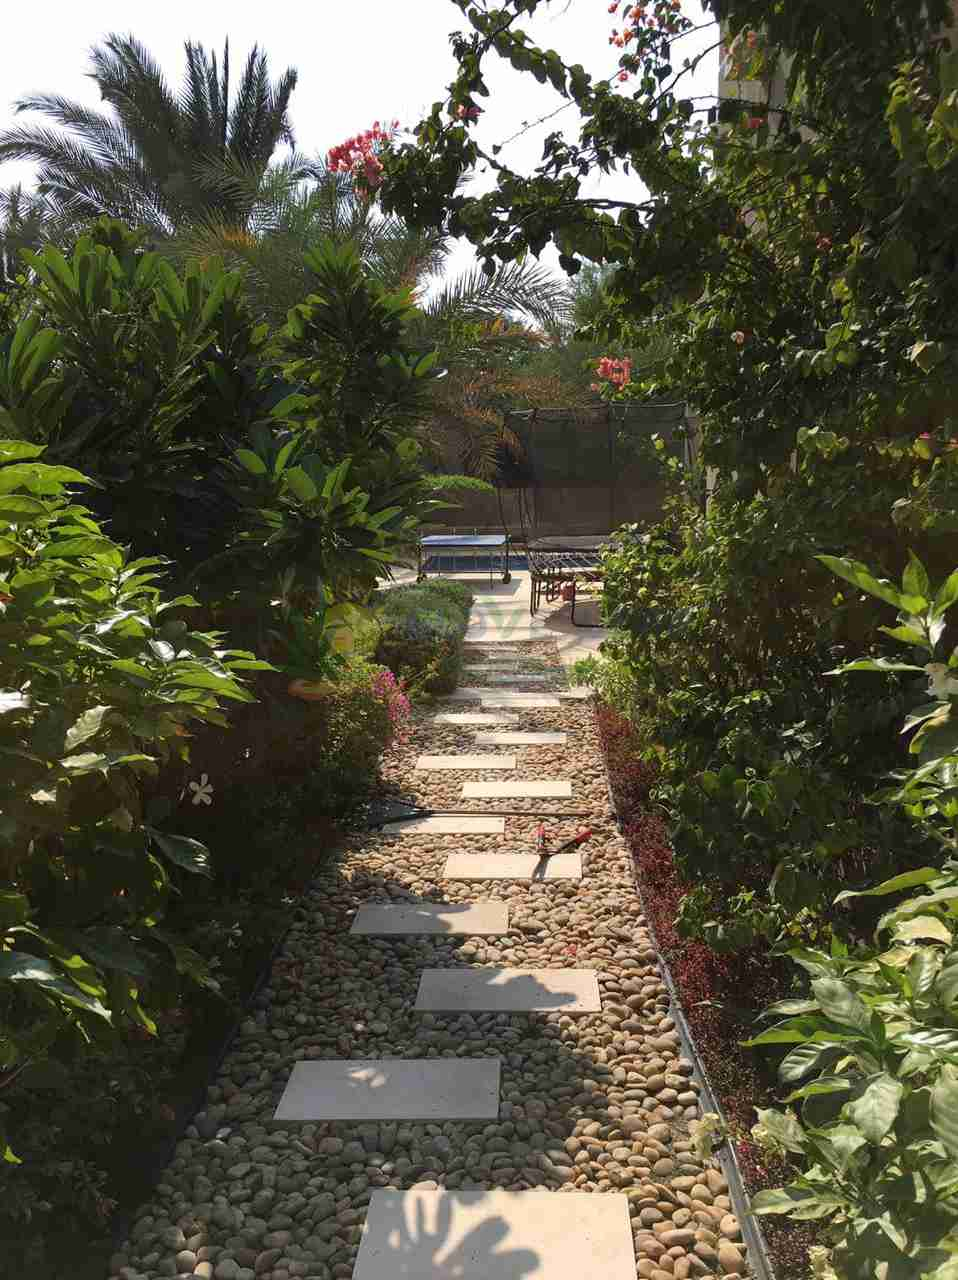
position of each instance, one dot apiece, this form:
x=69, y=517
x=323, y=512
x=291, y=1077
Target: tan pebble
x=729, y=1227
x=715, y=1179
x=645, y=1267
x=682, y=1269
x=681, y=1236
x=730, y=1259
x=723, y=1202
x=699, y=1192
x=681, y=1217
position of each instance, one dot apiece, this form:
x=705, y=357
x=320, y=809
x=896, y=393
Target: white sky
x=358, y=60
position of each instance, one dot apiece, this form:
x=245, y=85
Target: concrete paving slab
x=487, y=989
x=495, y=1235
x=576, y=692
x=465, y=761
x=465, y=693
x=519, y=738
x=518, y=789
x=475, y=919
x=472, y=717
x=501, y=678
x=447, y=825
x=517, y=700
x=512, y=866
x=392, y=1089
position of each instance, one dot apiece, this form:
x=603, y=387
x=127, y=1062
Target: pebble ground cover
x=595, y=1103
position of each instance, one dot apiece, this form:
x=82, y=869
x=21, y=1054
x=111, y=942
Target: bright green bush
x=100, y=682
x=875, y=1054
x=423, y=631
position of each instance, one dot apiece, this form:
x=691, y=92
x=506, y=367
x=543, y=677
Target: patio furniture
x=558, y=562
x=477, y=545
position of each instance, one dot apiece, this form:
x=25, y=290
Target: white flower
x=941, y=684
x=202, y=790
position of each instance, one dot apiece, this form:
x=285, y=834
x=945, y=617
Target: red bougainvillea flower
x=618, y=372
x=468, y=113
x=622, y=77
x=754, y=122
x=360, y=156
x=738, y=337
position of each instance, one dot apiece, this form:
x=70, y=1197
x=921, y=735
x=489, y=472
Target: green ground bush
x=423, y=633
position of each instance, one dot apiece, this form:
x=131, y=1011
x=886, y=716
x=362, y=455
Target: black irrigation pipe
x=758, y=1258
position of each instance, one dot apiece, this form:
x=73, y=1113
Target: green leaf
x=87, y=726
x=859, y=575
x=805, y=1058
x=914, y=580
x=947, y=594
x=782, y=1200
x=21, y=966
x=944, y=1108
x=841, y=1004
x=14, y=908
x=19, y=450
x=301, y=485
x=875, y=1111
x=784, y=1128
x=253, y=463
x=907, y=880
x=875, y=664
x=183, y=851
x=947, y=984
x=923, y=927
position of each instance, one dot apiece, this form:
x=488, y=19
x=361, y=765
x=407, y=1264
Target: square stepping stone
x=447, y=825
x=512, y=866
x=518, y=738
x=474, y=919
x=495, y=1235
x=519, y=700
x=392, y=1089
x=486, y=989
x=576, y=692
x=466, y=762
x=518, y=789
x=465, y=693
x=516, y=678
x=472, y=717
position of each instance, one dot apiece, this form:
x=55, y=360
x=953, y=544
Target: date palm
x=144, y=161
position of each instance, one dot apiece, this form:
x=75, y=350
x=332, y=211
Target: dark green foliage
x=423, y=627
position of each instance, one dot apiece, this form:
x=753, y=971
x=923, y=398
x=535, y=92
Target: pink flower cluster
x=360, y=156
x=664, y=18
x=468, y=113
x=391, y=692
x=618, y=372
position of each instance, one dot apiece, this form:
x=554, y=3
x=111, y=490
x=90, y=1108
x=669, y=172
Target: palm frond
x=527, y=290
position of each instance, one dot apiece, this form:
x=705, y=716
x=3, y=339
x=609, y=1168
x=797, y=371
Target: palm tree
x=145, y=161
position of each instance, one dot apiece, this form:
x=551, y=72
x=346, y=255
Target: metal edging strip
x=758, y=1258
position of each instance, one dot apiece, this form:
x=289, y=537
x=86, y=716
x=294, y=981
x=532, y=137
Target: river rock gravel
x=592, y=1103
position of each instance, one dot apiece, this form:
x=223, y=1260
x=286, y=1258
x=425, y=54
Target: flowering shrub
x=359, y=156
x=616, y=372
x=392, y=694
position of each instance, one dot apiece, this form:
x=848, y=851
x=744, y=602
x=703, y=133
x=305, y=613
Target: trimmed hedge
x=423, y=632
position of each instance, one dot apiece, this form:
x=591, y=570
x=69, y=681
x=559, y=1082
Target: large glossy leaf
x=804, y=1059
x=85, y=727
x=944, y=1108
x=783, y=1200
x=859, y=575
x=875, y=1111
x=907, y=880
x=841, y=1004
x=184, y=851
x=784, y=1128
x=21, y=966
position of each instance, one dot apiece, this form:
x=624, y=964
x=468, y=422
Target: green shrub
x=874, y=1047
x=98, y=685
x=423, y=631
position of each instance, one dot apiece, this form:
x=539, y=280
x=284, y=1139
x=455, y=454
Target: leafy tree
x=147, y=161
x=99, y=680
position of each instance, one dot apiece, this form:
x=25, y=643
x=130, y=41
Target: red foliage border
x=720, y=995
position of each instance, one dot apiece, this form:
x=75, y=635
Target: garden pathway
x=463, y=1065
